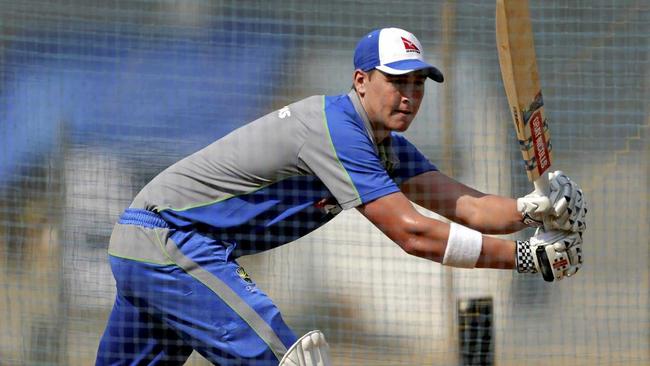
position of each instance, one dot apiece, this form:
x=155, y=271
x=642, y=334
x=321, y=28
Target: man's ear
x=360, y=80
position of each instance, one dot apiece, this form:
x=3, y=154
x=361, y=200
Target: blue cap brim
x=406, y=66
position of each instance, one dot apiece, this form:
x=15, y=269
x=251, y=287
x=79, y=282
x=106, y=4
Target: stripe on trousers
x=248, y=314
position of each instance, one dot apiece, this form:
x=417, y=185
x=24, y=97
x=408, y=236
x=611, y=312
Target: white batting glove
x=564, y=209
x=569, y=204
x=555, y=254
x=534, y=207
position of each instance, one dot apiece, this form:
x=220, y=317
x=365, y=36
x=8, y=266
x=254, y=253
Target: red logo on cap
x=410, y=46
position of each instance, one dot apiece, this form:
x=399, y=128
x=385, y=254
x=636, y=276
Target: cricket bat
x=521, y=81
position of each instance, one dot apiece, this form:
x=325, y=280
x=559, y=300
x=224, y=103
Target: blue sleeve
x=357, y=156
x=411, y=161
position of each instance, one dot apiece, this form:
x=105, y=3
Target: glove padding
x=555, y=254
x=564, y=209
x=568, y=202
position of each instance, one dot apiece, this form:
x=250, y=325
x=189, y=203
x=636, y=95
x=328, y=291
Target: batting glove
x=555, y=254
x=565, y=208
x=568, y=202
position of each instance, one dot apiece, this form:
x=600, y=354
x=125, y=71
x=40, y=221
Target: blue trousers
x=163, y=312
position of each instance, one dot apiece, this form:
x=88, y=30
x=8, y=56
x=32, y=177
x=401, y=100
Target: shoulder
x=322, y=113
x=339, y=112
x=339, y=103
x=314, y=103
x=321, y=103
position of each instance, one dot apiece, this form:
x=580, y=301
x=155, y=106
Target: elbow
x=410, y=245
x=416, y=234
x=422, y=246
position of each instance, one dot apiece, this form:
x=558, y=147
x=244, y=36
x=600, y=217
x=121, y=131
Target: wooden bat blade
x=518, y=63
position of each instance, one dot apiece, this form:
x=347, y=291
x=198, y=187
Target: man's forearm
x=496, y=253
x=490, y=214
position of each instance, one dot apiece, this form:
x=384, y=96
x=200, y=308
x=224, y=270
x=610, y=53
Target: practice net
x=97, y=97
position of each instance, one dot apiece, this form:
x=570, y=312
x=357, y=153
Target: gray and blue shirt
x=281, y=176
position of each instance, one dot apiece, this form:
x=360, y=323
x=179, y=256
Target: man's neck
x=379, y=133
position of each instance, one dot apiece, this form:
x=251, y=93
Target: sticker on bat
x=540, y=146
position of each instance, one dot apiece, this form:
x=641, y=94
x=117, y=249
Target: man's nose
x=411, y=92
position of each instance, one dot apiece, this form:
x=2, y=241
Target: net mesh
x=98, y=97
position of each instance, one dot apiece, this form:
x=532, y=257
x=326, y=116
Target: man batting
x=173, y=251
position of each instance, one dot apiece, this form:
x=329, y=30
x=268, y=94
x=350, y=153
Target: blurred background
x=97, y=97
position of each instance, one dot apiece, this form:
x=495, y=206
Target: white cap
x=393, y=51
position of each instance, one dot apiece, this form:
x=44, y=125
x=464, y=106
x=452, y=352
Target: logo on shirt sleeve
x=284, y=112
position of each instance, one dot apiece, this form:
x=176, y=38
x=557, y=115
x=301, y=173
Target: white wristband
x=463, y=247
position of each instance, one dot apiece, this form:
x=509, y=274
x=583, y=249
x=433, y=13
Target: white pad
x=310, y=350
x=463, y=247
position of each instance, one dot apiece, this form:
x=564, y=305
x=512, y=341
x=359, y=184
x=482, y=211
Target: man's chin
x=400, y=126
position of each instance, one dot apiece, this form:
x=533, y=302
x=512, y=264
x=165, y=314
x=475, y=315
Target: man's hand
x=564, y=209
x=569, y=205
x=555, y=254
